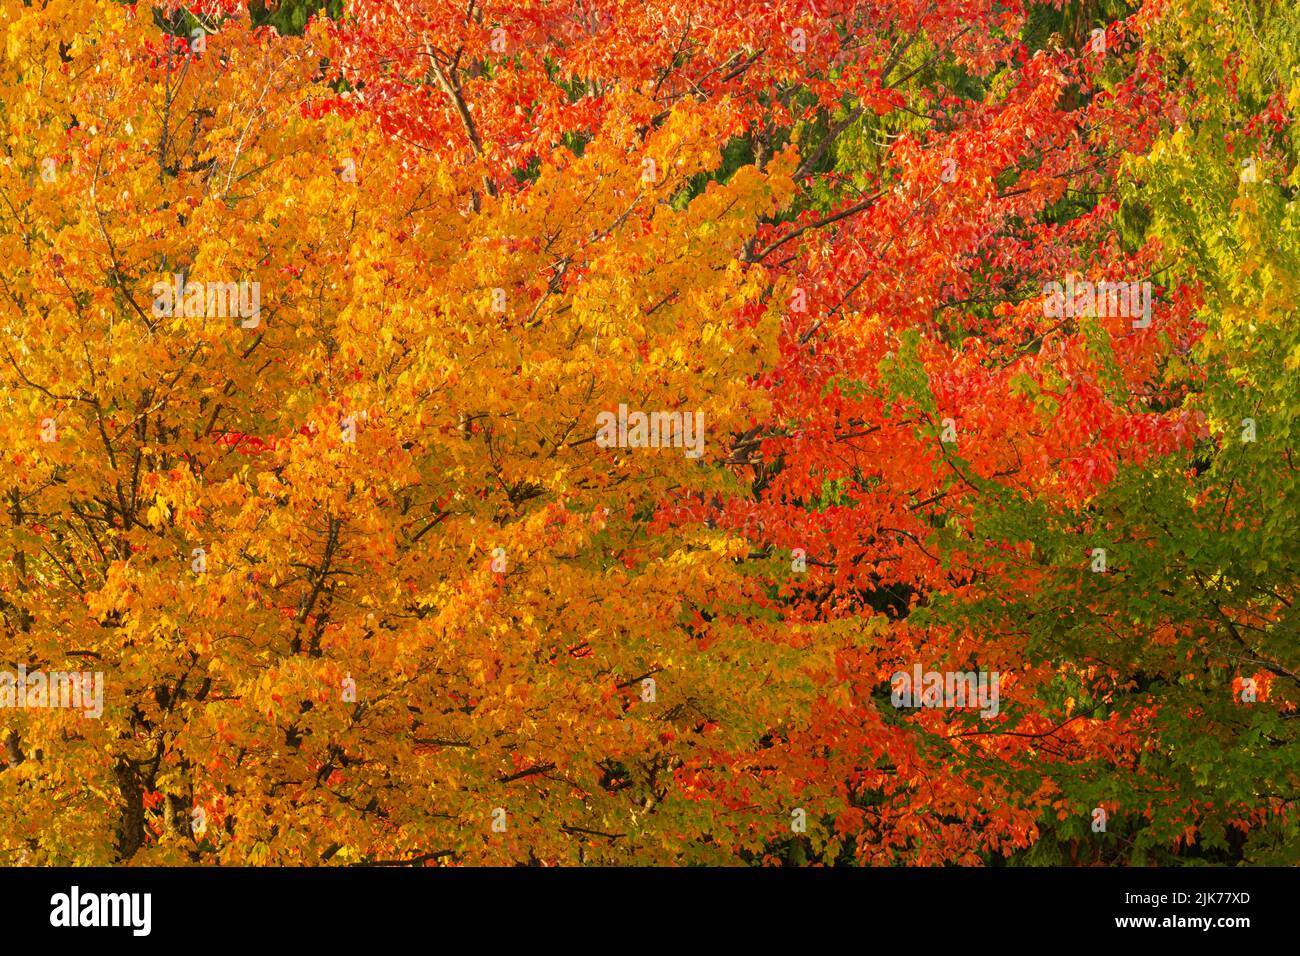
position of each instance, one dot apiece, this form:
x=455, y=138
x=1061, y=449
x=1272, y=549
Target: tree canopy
x=543, y=432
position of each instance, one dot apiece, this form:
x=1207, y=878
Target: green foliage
x=1202, y=547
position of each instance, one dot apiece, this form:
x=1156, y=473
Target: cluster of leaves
x=432, y=619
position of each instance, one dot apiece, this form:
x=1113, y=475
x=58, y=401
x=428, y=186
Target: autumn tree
x=362, y=584
x=1189, y=632
x=942, y=166
x=312, y=331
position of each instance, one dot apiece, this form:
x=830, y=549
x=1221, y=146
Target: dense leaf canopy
x=311, y=315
